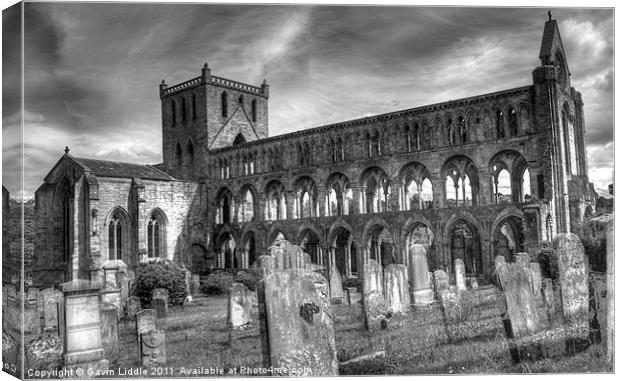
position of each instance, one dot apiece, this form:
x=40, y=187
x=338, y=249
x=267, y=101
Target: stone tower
x=559, y=109
x=207, y=113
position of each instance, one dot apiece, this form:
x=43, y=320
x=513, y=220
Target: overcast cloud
x=92, y=70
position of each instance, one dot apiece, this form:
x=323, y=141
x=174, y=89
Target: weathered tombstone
x=459, y=272
x=160, y=302
x=83, y=346
x=418, y=275
x=153, y=348
x=33, y=295
x=396, y=289
x=536, y=280
x=145, y=321
x=473, y=282
x=374, y=301
x=450, y=300
x=335, y=286
x=133, y=306
x=123, y=285
x=44, y=353
x=517, y=302
x=112, y=296
x=195, y=284
x=298, y=330
x=373, y=277
x=109, y=330
x=239, y=306
x=441, y=282
x=572, y=278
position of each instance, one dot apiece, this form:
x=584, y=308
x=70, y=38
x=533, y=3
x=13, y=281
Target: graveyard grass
x=197, y=338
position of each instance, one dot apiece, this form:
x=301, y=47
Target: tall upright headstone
x=459, y=272
x=441, y=281
x=239, y=306
x=83, y=348
x=335, y=285
x=375, y=308
x=418, y=275
x=373, y=277
x=297, y=313
x=517, y=302
x=572, y=278
x=396, y=289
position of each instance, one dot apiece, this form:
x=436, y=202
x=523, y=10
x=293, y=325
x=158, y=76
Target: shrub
x=216, y=283
x=249, y=277
x=548, y=263
x=164, y=274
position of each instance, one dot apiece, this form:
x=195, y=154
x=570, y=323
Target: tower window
x=224, y=104
x=253, y=110
x=173, y=111
x=194, y=106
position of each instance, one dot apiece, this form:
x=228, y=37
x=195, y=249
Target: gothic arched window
x=155, y=235
x=116, y=235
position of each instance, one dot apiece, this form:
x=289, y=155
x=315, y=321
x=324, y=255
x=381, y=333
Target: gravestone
x=110, y=269
x=396, y=289
x=109, y=330
x=459, y=273
x=517, y=301
x=83, y=347
x=572, y=279
x=418, y=275
x=335, y=286
x=375, y=308
x=473, y=282
x=112, y=296
x=239, y=306
x=160, y=302
x=153, y=348
x=52, y=300
x=133, y=306
x=441, y=282
x=145, y=321
x=297, y=331
x=450, y=300
x=373, y=277
x=123, y=285
x=536, y=280
x=353, y=297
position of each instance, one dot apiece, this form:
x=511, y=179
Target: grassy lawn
x=197, y=338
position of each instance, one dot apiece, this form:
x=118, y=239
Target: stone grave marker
x=473, y=282
x=239, y=306
x=375, y=308
x=298, y=329
x=441, y=282
x=145, y=321
x=83, y=347
x=396, y=289
x=373, y=277
x=419, y=275
x=521, y=315
x=335, y=286
x=153, y=348
x=109, y=330
x=353, y=296
x=536, y=280
x=572, y=278
x=459, y=272
x=160, y=302
x=112, y=296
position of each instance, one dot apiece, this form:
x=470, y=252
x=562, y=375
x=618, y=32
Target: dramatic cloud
x=92, y=70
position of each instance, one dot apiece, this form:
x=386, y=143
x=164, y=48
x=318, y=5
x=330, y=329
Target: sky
x=92, y=70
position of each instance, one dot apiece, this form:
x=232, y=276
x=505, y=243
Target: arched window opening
x=305, y=198
x=226, y=253
x=465, y=245
x=310, y=244
x=194, y=112
x=508, y=238
x=526, y=189
x=190, y=152
x=503, y=191
x=246, y=210
x=340, y=196
x=378, y=190
x=408, y=138
x=173, y=112
x=381, y=246
x=418, y=190
x=368, y=145
x=156, y=231
x=179, y=155
x=416, y=137
x=461, y=182
x=376, y=146
x=254, y=110
x=332, y=150
x=183, y=109
x=116, y=235
x=462, y=132
x=276, y=202
x=450, y=131
x=224, y=104
x=339, y=149
x=249, y=252
x=499, y=124
x=344, y=253
x=513, y=122
x=224, y=207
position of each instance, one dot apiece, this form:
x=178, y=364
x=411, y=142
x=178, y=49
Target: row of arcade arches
x=414, y=188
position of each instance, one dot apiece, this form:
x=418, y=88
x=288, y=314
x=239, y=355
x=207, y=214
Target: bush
x=548, y=263
x=163, y=274
x=249, y=277
x=216, y=283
